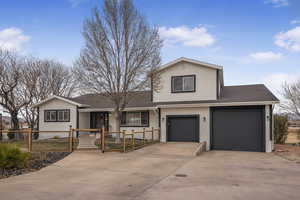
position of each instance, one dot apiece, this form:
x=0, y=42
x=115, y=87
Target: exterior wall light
x=204, y=119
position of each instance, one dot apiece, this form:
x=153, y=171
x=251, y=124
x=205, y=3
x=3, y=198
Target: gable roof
x=183, y=59
x=65, y=99
x=137, y=99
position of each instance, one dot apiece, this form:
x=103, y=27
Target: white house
x=191, y=105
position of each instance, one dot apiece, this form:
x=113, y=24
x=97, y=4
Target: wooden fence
x=122, y=141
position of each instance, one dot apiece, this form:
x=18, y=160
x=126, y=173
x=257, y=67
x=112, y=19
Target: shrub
x=11, y=135
x=36, y=136
x=280, y=128
x=12, y=157
x=56, y=137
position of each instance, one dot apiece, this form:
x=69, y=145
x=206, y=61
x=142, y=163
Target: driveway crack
x=161, y=179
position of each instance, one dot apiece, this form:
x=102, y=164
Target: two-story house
x=191, y=105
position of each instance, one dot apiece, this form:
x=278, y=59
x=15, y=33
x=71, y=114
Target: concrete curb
x=200, y=149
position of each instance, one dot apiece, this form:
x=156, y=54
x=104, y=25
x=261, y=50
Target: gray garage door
x=238, y=128
x=183, y=128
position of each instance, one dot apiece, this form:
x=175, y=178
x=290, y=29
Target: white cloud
x=266, y=56
x=182, y=35
x=75, y=3
x=289, y=40
x=12, y=39
x=277, y=3
x=275, y=81
x=295, y=22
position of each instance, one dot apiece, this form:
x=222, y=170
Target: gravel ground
x=37, y=161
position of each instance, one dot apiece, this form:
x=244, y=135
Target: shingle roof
x=239, y=93
x=246, y=93
x=137, y=99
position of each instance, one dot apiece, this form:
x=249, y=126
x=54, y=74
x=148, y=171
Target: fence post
x=100, y=142
x=124, y=141
x=30, y=140
x=70, y=139
x=103, y=140
x=159, y=134
x=152, y=134
x=144, y=136
x=132, y=136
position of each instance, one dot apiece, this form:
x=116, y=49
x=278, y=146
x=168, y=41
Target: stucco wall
x=204, y=127
x=56, y=126
x=206, y=83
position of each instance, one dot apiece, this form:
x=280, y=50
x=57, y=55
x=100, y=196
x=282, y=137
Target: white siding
x=206, y=83
x=269, y=143
x=56, y=126
x=204, y=127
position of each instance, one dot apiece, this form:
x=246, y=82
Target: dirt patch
x=37, y=161
x=289, y=152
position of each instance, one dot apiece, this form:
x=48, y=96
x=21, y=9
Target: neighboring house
x=6, y=122
x=191, y=105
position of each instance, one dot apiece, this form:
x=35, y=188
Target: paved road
x=150, y=174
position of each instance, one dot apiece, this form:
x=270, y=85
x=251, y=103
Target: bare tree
x=12, y=77
x=291, y=92
x=49, y=78
x=120, y=52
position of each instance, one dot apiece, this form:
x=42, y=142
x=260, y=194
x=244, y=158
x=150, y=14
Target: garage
x=183, y=128
x=238, y=128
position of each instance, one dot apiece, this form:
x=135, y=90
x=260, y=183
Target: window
x=57, y=115
x=135, y=119
x=63, y=115
x=183, y=83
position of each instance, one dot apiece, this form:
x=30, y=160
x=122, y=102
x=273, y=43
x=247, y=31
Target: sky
x=255, y=41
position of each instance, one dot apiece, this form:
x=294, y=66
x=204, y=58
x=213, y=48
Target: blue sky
x=256, y=41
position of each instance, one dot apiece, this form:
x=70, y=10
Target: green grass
x=45, y=145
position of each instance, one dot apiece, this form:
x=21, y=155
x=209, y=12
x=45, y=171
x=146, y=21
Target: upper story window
x=183, y=83
x=57, y=115
x=135, y=118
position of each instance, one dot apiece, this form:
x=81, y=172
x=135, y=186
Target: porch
x=135, y=119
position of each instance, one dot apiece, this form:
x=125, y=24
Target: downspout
x=159, y=118
x=38, y=119
x=77, y=121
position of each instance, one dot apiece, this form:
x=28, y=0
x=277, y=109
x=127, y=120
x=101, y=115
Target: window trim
x=143, y=125
x=56, y=113
x=172, y=85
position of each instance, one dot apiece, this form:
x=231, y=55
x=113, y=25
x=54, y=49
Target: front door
x=98, y=120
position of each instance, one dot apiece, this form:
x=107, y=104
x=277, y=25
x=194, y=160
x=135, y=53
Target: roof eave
x=60, y=98
x=245, y=103
x=165, y=66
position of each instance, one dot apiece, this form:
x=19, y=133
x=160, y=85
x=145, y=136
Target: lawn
x=45, y=145
x=287, y=151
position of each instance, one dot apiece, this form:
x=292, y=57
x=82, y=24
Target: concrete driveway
x=150, y=173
